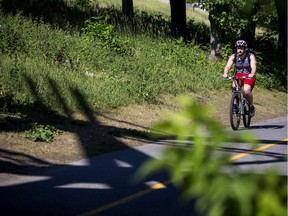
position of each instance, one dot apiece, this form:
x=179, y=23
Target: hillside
x=105, y=89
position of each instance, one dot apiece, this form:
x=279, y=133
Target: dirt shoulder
x=98, y=133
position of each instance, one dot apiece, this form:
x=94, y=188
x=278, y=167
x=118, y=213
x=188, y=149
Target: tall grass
x=48, y=60
x=53, y=66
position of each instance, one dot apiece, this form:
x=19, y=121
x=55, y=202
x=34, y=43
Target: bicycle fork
x=242, y=102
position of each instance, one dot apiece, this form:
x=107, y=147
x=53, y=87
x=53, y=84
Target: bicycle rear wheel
x=235, y=115
x=246, y=116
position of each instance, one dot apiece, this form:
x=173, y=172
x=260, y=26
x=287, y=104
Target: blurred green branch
x=206, y=175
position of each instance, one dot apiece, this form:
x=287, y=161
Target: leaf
x=197, y=169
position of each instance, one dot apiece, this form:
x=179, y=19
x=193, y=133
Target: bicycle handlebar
x=233, y=77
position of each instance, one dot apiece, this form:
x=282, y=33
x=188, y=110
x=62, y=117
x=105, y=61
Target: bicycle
x=239, y=106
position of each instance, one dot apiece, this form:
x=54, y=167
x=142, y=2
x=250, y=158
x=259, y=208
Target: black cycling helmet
x=241, y=43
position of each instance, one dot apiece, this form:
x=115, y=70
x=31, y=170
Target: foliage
x=274, y=74
x=6, y=100
x=11, y=40
x=98, y=29
x=44, y=62
x=42, y=133
x=198, y=33
x=267, y=16
x=239, y=15
x=226, y=17
x=198, y=168
x=82, y=3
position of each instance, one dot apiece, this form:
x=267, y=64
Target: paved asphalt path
x=104, y=185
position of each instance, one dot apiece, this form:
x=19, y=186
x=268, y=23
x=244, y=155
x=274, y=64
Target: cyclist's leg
x=249, y=98
x=247, y=89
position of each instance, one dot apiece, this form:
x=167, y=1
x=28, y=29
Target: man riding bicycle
x=245, y=65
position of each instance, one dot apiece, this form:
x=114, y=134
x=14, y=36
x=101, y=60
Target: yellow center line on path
x=161, y=185
x=127, y=199
x=256, y=150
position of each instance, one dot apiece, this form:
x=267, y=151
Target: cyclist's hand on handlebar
x=250, y=76
x=225, y=76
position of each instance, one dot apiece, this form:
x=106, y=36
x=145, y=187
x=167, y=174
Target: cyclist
x=245, y=65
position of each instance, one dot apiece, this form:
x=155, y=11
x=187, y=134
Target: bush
x=11, y=40
x=42, y=133
x=103, y=34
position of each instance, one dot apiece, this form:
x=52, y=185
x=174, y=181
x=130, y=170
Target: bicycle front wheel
x=246, y=116
x=235, y=112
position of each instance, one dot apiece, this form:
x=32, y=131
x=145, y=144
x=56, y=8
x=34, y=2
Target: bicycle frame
x=239, y=93
x=239, y=99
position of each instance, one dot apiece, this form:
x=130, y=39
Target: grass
x=157, y=6
x=48, y=66
x=114, y=129
x=121, y=90
x=46, y=60
x=56, y=65
x=43, y=62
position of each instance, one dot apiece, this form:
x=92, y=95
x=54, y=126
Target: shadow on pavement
x=266, y=127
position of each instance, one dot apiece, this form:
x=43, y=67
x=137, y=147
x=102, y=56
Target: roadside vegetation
x=46, y=61
x=75, y=56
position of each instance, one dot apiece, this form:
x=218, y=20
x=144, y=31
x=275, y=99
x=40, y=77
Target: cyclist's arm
x=228, y=66
x=252, y=65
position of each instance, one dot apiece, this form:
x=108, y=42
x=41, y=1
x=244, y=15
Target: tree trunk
x=215, y=39
x=178, y=18
x=281, y=6
x=127, y=8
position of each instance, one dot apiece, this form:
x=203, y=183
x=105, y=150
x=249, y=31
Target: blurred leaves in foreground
x=201, y=168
